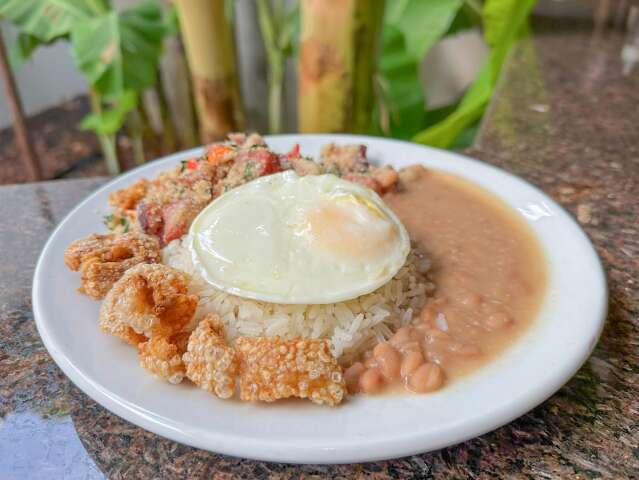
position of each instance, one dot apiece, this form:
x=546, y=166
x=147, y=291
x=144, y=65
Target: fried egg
x=283, y=238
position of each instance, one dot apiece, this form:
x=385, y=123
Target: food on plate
x=274, y=368
x=351, y=327
x=262, y=275
x=210, y=362
x=152, y=299
x=103, y=259
x=162, y=356
x=298, y=240
x=165, y=207
x=350, y=162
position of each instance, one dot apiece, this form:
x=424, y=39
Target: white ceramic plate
x=364, y=428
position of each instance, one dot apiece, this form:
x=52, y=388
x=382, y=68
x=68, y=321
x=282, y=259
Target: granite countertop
x=564, y=118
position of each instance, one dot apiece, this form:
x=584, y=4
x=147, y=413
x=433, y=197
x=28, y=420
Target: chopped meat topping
x=344, y=159
x=166, y=206
x=210, y=363
x=103, y=259
x=151, y=299
x=274, y=368
x=127, y=198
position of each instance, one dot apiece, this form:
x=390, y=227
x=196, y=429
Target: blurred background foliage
x=166, y=75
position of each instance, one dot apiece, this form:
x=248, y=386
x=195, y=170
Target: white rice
x=350, y=327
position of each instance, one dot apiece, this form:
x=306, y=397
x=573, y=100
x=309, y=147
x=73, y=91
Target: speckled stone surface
x=566, y=120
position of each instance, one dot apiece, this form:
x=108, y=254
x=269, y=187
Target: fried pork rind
x=103, y=259
x=210, y=362
x=274, y=368
x=152, y=299
x=162, y=356
x=121, y=330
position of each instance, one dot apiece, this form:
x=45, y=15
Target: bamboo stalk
x=149, y=136
x=208, y=40
x=337, y=62
x=175, y=76
x=270, y=25
x=169, y=141
x=107, y=142
x=135, y=129
x=19, y=125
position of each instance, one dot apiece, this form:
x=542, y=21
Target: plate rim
x=240, y=446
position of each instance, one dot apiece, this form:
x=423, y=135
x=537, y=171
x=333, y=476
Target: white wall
x=46, y=80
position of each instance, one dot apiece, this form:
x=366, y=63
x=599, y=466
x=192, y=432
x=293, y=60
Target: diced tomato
x=175, y=216
x=265, y=160
x=216, y=153
x=192, y=164
x=295, y=152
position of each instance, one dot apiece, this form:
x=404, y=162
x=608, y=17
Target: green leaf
x=467, y=17
x=48, y=20
x=422, y=22
x=21, y=50
x=411, y=27
x=229, y=10
x=290, y=26
x=505, y=20
x=399, y=90
x=109, y=121
x=120, y=51
x=171, y=21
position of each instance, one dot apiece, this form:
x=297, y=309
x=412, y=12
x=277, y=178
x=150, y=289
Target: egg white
x=298, y=240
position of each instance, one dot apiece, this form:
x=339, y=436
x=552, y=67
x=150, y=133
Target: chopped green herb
x=125, y=223
x=108, y=221
x=249, y=171
x=182, y=165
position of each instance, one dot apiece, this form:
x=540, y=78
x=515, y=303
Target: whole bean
x=426, y=378
x=371, y=381
x=388, y=359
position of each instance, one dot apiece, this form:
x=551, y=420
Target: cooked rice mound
x=351, y=327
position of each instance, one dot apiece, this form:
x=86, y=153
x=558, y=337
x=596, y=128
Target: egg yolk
x=351, y=228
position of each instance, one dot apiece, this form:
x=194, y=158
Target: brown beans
x=371, y=381
x=410, y=363
x=434, y=335
x=370, y=362
x=426, y=378
x=463, y=349
x=470, y=299
x=388, y=359
x=352, y=375
x=402, y=335
x=412, y=346
x=497, y=321
x=428, y=314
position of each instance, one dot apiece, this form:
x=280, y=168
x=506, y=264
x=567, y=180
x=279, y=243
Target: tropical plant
x=208, y=39
x=277, y=25
x=411, y=28
x=358, y=63
x=336, y=64
x=117, y=52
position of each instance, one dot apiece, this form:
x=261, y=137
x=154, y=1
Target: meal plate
x=364, y=428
